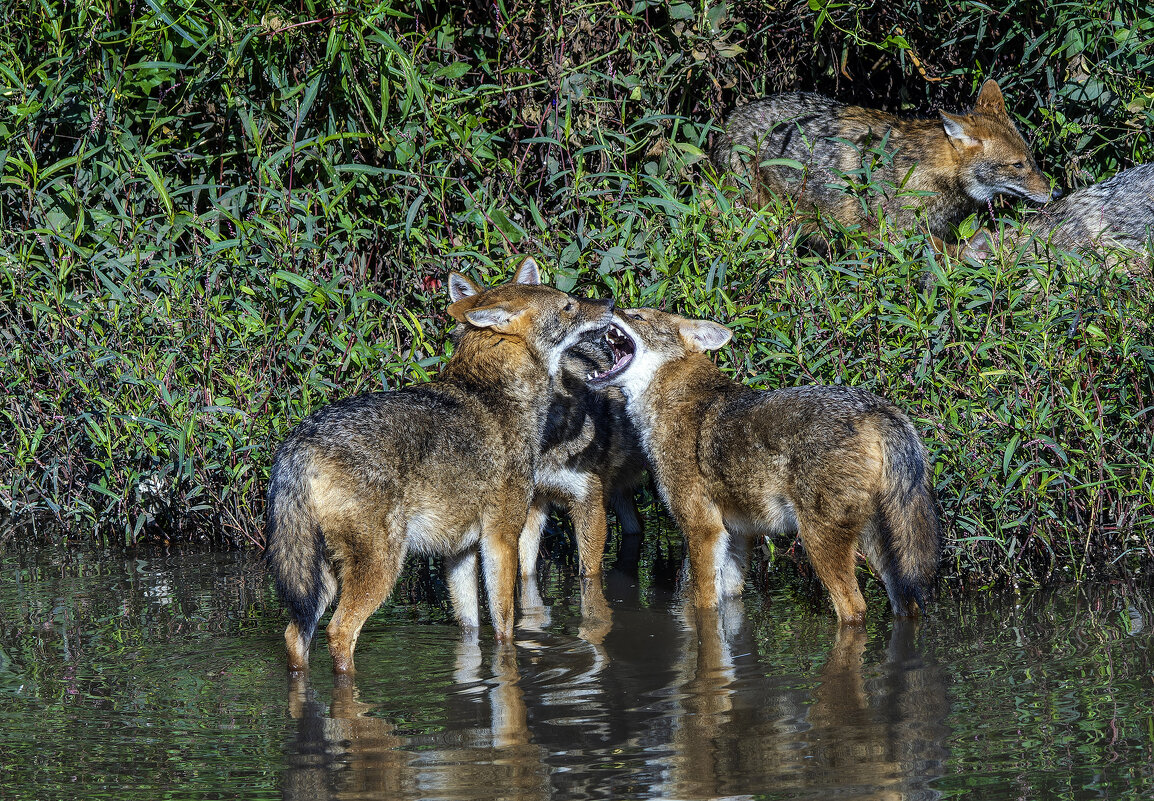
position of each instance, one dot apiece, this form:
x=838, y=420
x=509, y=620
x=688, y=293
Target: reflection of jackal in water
x=830, y=156
x=837, y=465
x=741, y=729
x=352, y=749
x=444, y=467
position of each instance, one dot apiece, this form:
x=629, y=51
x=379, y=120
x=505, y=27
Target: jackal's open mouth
x=623, y=348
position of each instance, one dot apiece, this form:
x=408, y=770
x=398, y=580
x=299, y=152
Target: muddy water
x=161, y=675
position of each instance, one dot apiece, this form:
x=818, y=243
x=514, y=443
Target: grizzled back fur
x=839, y=465
x=848, y=162
x=1115, y=213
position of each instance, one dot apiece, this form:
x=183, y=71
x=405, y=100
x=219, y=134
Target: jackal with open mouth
x=445, y=467
x=837, y=465
x=590, y=459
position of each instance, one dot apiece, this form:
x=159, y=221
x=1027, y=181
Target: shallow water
x=162, y=675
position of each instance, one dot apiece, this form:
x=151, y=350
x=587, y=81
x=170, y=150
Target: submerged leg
x=462, y=570
x=628, y=517
x=832, y=552
x=367, y=579
x=708, y=550
x=591, y=526
x=499, y=561
x=529, y=543
x=296, y=641
x=734, y=565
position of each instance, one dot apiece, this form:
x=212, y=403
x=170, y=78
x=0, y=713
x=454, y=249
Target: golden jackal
x=591, y=459
x=590, y=455
x=444, y=467
x=835, y=158
x=837, y=465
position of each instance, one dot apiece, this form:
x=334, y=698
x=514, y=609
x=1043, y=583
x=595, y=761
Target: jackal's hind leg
x=624, y=505
x=629, y=518
x=832, y=550
x=296, y=641
x=462, y=570
x=368, y=575
x=733, y=566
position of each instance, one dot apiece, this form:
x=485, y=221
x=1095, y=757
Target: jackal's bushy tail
x=295, y=546
x=905, y=543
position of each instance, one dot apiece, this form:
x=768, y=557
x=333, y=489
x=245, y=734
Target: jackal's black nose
x=1057, y=193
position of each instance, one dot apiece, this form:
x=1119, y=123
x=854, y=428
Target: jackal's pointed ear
x=499, y=317
x=990, y=100
x=461, y=287
x=955, y=129
x=528, y=272
x=702, y=335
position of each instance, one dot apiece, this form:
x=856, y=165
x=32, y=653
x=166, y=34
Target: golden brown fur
x=838, y=465
x=849, y=163
x=444, y=467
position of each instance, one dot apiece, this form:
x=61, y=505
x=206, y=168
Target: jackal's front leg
x=529, y=543
x=590, y=526
x=708, y=552
x=499, y=561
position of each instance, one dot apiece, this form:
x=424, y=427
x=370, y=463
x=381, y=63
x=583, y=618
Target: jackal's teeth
x=622, y=347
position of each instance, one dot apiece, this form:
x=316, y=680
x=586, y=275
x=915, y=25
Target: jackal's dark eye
x=570, y=306
x=1019, y=165
x=634, y=316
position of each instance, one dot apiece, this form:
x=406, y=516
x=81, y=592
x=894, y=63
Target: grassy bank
x=216, y=218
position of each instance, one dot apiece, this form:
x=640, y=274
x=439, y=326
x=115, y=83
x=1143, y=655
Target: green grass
x=215, y=218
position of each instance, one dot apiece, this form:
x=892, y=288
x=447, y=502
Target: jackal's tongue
x=623, y=349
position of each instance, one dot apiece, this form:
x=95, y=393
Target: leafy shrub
x=215, y=217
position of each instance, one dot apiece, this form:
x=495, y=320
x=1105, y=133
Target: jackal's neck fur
x=510, y=382
x=924, y=160
x=498, y=365
x=682, y=393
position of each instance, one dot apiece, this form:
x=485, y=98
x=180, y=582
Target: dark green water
x=162, y=676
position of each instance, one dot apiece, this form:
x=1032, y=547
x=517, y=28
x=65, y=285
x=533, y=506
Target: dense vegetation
x=215, y=217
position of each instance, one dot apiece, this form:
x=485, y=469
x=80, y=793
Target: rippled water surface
x=162, y=676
